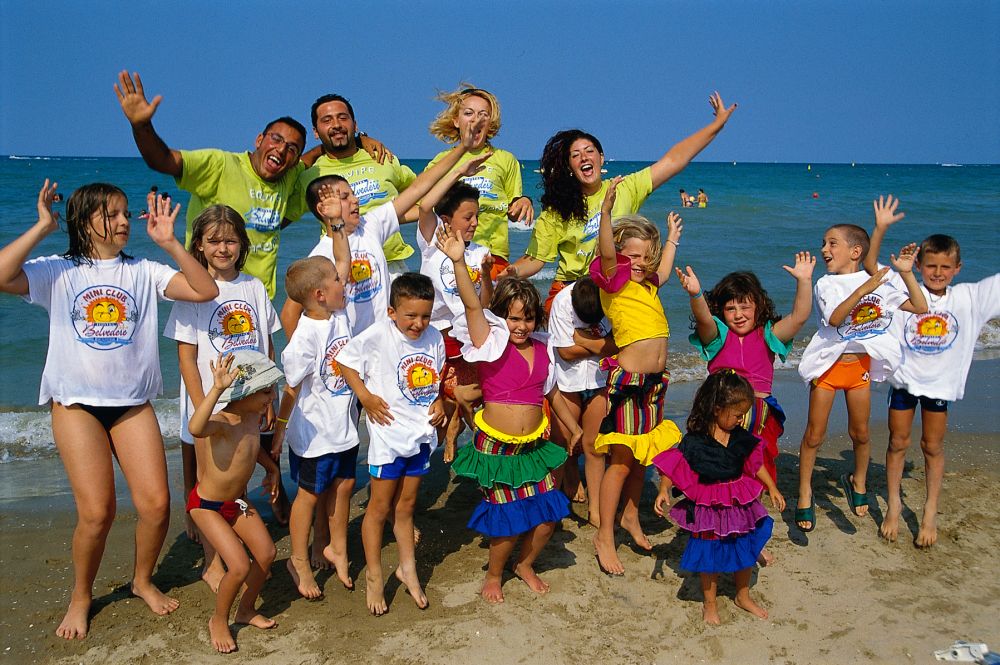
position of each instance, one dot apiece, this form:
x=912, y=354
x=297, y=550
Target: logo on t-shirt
x=368, y=190
x=591, y=227
x=447, y=273
x=931, y=332
x=417, y=379
x=233, y=326
x=263, y=220
x=484, y=185
x=330, y=373
x=867, y=319
x=366, y=277
x=104, y=317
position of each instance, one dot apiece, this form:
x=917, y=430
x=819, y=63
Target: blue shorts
x=316, y=474
x=415, y=465
x=901, y=400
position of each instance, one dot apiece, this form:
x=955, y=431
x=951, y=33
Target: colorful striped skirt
x=635, y=414
x=766, y=421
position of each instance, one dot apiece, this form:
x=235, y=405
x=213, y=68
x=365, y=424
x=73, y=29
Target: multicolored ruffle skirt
x=766, y=421
x=635, y=414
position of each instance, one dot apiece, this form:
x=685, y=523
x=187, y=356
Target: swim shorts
x=846, y=375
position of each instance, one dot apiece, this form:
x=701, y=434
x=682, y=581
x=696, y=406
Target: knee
x=153, y=507
x=240, y=567
x=812, y=438
x=932, y=449
x=267, y=557
x=899, y=442
x=405, y=506
x=858, y=433
x=96, y=520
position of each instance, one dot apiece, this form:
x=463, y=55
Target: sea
x=758, y=216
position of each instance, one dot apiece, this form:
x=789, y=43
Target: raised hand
x=331, y=208
x=675, y=226
x=719, y=108
x=160, y=220
x=472, y=132
x=448, y=242
x=473, y=166
x=689, y=281
x=48, y=220
x=804, y=265
x=875, y=281
x=885, y=211
x=907, y=255
x=487, y=265
x=609, y=197
x=132, y=99
x=223, y=372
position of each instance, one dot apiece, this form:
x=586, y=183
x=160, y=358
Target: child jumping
x=511, y=462
x=719, y=468
x=228, y=448
x=937, y=351
x=102, y=369
x=394, y=367
x=850, y=349
x=630, y=269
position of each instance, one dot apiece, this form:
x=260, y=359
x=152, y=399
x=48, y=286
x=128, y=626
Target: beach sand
x=836, y=595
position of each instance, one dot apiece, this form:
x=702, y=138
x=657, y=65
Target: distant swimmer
x=686, y=199
x=702, y=199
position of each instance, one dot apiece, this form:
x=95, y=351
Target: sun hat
x=257, y=372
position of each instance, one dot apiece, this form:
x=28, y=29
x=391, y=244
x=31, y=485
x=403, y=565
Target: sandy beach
x=836, y=595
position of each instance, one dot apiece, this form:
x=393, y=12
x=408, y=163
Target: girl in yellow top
x=630, y=269
x=499, y=182
x=571, y=163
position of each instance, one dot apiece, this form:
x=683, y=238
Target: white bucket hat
x=257, y=372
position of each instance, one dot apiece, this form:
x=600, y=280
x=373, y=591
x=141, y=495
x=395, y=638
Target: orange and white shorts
x=846, y=374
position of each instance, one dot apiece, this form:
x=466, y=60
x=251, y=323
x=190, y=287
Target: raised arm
x=12, y=256
x=427, y=220
x=605, y=236
x=454, y=248
x=802, y=271
x=904, y=266
x=425, y=181
x=223, y=375
x=679, y=156
x=193, y=284
x=332, y=211
x=675, y=226
x=139, y=112
x=885, y=216
x=704, y=324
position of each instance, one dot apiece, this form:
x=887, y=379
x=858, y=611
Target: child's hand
x=875, y=281
x=582, y=335
x=474, y=166
x=160, y=220
x=330, y=207
x=449, y=243
x=223, y=373
x=487, y=265
x=437, y=414
x=689, y=281
x=471, y=132
x=719, y=109
x=804, y=265
x=675, y=226
x=576, y=442
x=267, y=419
x=609, y=197
x=907, y=255
x=377, y=410
x=885, y=211
x=271, y=483
x=777, y=500
x=48, y=220
x=277, y=442
x=662, y=502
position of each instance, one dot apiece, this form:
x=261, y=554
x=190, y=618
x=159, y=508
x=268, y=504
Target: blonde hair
x=443, y=126
x=627, y=227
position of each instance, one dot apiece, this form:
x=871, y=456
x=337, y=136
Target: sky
x=873, y=82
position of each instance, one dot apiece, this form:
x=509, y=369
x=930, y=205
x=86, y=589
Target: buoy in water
x=815, y=195
x=809, y=167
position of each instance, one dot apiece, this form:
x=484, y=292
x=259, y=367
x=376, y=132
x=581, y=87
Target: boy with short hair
x=317, y=413
x=394, y=367
x=937, y=349
x=218, y=503
x=850, y=349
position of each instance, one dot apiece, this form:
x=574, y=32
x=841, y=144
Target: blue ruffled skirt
x=726, y=555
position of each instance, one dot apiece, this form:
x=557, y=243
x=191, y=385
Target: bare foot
x=302, y=577
x=317, y=559
x=254, y=619
x=158, y=601
x=710, y=614
x=222, y=638
x=927, y=535
x=74, y=624
x=212, y=574
x=890, y=525
x=765, y=558
x=744, y=602
x=449, y=452
x=631, y=525
x=492, y=589
x=607, y=557
x=191, y=530
x=375, y=595
x=581, y=494
x=412, y=583
x=340, y=564
x=531, y=578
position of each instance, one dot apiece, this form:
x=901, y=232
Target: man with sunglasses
x=258, y=185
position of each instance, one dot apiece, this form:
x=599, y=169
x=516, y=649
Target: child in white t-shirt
x=240, y=318
x=581, y=336
x=850, y=349
x=937, y=348
x=394, y=367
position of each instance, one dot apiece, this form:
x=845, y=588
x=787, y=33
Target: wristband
x=697, y=295
x=673, y=242
x=336, y=227
x=282, y=420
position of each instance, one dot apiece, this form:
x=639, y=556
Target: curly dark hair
x=80, y=207
x=562, y=191
x=720, y=390
x=511, y=289
x=740, y=286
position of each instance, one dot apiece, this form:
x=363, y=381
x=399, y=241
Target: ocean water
x=759, y=216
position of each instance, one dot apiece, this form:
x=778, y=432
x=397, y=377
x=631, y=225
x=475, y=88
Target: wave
x=952, y=165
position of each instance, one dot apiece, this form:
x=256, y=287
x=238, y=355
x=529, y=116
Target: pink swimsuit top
x=507, y=380
x=749, y=356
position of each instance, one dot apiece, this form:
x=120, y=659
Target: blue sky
x=816, y=81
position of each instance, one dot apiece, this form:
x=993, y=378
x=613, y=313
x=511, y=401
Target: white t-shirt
x=240, y=318
x=938, y=345
x=407, y=375
x=573, y=376
x=103, y=329
x=367, y=288
x=864, y=330
x=435, y=264
x=324, y=419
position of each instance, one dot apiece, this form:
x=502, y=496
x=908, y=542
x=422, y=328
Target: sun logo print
x=361, y=270
x=417, y=379
x=932, y=332
x=865, y=313
x=104, y=317
x=475, y=273
x=932, y=326
x=330, y=372
x=106, y=311
x=233, y=326
x=237, y=322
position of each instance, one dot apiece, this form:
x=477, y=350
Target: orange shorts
x=499, y=265
x=557, y=286
x=846, y=375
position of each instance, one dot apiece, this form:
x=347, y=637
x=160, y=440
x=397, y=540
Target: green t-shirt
x=498, y=183
x=572, y=241
x=373, y=184
x=220, y=177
